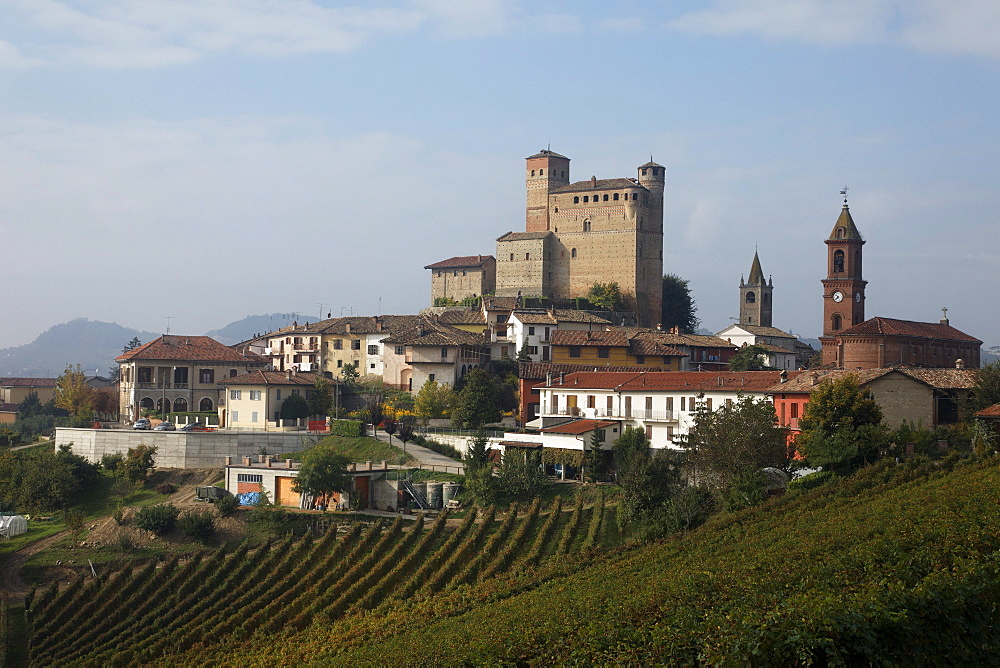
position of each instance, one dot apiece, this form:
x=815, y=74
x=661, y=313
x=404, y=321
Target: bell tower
x=843, y=287
x=755, y=297
x=544, y=172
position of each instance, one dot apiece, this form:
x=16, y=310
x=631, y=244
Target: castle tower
x=755, y=297
x=649, y=246
x=544, y=172
x=843, y=287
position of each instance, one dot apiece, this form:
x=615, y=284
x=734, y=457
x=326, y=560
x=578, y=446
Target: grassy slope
x=361, y=449
x=894, y=564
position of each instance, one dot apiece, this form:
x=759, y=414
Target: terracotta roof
x=638, y=342
x=846, y=223
x=647, y=345
x=941, y=379
x=546, y=153
x=989, y=412
x=358, y=324
x=520, y=444
x=534, y=317
x=430, y=332
x=539, y=370
x=494, y=303
x=578, y=427
x=188, y=348
x=735, y=381
x=523, y=236
x=272, y=378
x=462, y=261
x=598, y=184
x=650, y=164
x=774, y=349
x=572, y=337
x=462, y=317
x=892, y=327
x=27, y=382
x=570, y=315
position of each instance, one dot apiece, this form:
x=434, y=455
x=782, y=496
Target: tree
x=74, y=396
x=138, y=463
x=350, y=372
x=390, y=427
x=405, y=433
x=30, y=406
x=376, y=414
x=678, y=306
x=523, y=355
x=433, y=400
x=321, y=401
x=985, y=388
x=749, y=358
x=594, y=460
x=294, y=407
x=105, y=401
x=132, y=345
x=323, y=472
x=841, y=426
x=727, y=449
x=479, y=469
x=607, y=296
x=477, y=403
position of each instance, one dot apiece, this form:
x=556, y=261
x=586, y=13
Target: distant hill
x=253, y=325
x=90, y=343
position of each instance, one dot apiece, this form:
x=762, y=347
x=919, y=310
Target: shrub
x=166, y=488
x=440, y=448
x=197, y=524
x=159, y=518
x=226, y=505
x=350, y=428
x=110, y=461
x=811, y=481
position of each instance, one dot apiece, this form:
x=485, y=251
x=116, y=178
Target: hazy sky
x=210, y=159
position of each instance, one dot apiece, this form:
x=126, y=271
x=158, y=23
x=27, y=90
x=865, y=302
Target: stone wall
x=183, y=450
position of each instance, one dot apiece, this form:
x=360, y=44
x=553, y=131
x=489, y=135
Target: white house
x=534, y=328
x=782, y=347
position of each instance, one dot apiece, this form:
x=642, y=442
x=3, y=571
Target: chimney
x=784, y=376
x=562, y=377
x=288, y=463
x=959, y=363
x=229, y=461
x=548, y=379
x=944, y=316
x=288, y=374
x=593, y=181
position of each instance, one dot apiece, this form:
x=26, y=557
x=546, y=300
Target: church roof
x=891, y=327
x=846, y=223
x=461, y=261
x=756, y=274
x=545, y=153
x=598, y=184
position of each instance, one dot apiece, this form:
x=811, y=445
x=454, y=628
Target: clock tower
x=843, y=287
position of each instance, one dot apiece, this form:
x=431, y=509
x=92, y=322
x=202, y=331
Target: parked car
x=142, y=423
x=165, y=426
x=194, y=426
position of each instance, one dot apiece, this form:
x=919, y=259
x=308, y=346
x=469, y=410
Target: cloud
x=970, y=27
x=11, y=58
x=467, y=18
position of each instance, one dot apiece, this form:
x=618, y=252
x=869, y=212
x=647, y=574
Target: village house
x=253, y=400
x=15, y=390
x=430, y=350
x=532, y=330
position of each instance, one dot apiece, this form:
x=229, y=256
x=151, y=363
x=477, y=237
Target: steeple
x=844, y=285
x=845, y=227
x=755, y=297
x=756, y=274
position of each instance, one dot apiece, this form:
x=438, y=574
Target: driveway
x=427, y=458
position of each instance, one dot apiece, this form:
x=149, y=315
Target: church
x=851, y=342
x=576, y=234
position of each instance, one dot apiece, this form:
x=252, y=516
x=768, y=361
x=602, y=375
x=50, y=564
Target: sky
x=191, y=162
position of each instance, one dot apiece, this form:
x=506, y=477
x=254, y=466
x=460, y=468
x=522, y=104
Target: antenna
x=320, y=305
x=168, y=318
x=844, y=193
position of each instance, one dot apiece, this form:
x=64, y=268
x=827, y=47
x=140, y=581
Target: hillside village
x=554, y=367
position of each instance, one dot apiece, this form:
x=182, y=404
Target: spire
x=845, y=224
x=756, y=273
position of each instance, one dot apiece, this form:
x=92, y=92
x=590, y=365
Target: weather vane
x=844, y=193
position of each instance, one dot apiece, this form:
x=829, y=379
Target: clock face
x=838, y=296
x=857, y=297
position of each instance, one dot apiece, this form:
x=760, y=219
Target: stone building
x=755, y=297
x=458, y=278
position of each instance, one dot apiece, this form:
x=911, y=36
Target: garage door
x=286, y=495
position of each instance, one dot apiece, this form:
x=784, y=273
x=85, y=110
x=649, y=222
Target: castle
x=576, y=235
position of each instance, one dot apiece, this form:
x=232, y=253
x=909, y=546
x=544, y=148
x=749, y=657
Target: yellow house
x=16, y=390
x=618, y=348
x=253, y=400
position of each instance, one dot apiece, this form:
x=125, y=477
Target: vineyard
x=158, y=611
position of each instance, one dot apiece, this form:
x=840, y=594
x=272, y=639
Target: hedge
x=350, y=428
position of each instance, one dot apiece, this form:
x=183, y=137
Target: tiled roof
x=462, y=261
x=358, y=324
x=534, y=317
x=846, y=223
x=523, y=236
x=188, y=348
x=569, y=315
x=539, y=370
x=774, y=349
x=639, y=342
x=578, y=427
x=941, y=379
x=27, y=382
x=648, y=345
x=598, y=184
x=650, y=164
x=546, y=153
x=493, y=303
x=892, y=327
x=735, y=381
x=520, y=444
x=572, y=337
x=462, y=317
x=989, y=412
x=429, y=332
x=272, y=378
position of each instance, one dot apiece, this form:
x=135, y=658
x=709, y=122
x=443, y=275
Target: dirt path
x=10, y=578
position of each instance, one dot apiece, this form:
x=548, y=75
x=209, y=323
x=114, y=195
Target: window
x=605, y=198
x=356, y=344
x=708, y=404
x=254, y=395
x=527, y=256
x=444, y=352
x=836, y=322
x=546, y=333
x=574, y=351
x=511, y=257
x=649, y=403
x=295, y=391
x=235, y=394
x=615, y=197
x=586, y=225
x=649, y=432
x=531, y=331
x=236, y=416
x=532, y=350
x=340, y=363
x=576, y=200
x=338, y=344
x=373, y=350
x=603, y=352
x=591, y=401
x=611, y=405
x=729, y=403
x=795, y=410
x=545, y=353
x=206, y=376
x=249, y=477
x=277, y=395
x=232, y=373
x=838, y=261
x=683, y=403
x=670, y=432
x=586, y=198
x=601, y=435
x=573, y=253
x=206, y=405
x=400, y=350
x=371, y=366
x=501, y=318
x=144, y=374
x=431, y=376
x=541, y=172
x=751, y=298
x=253, y=416
x=691, y=405
x=670, y=404
x=635, y=196
x=640, y=359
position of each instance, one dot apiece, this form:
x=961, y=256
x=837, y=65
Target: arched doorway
x=206, y=405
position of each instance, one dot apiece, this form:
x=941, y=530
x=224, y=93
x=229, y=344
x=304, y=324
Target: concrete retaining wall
x=182, y=450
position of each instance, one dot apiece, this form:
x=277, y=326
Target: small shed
x=13, y=525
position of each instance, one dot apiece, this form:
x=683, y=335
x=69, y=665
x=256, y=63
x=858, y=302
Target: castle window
x=511, y=257
x=751, y=298
x=656, y=171
x=541, y=172
x=532, y=172
x=527, y=256
x=605, y=198
x=586, y=198
x=586, y=225
x=576, y=200
x=615, y=197
x=563, y=174
x=573, y=253
x=838, y=261
x=836, y=322
x=557, y=209
x=635, y=196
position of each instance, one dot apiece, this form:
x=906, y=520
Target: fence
x=456, y=432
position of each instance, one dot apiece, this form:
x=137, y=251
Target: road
x=427, y=458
